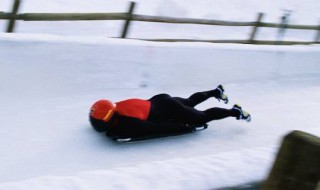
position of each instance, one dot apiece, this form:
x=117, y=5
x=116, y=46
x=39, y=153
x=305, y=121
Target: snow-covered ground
x=49, y=82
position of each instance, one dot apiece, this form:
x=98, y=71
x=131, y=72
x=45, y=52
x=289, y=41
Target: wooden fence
x=129, y=16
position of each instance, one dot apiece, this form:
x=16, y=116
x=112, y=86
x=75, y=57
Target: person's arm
x=132, y=127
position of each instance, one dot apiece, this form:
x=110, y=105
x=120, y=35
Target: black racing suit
x=170, y=115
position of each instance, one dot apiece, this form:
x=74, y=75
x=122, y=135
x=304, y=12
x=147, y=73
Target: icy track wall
x=59, y=65
x=58, y=78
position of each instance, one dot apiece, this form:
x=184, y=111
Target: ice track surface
x=46, y=140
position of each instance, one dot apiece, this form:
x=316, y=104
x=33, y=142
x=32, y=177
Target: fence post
x=128, y=20
x=318, y=35
x=283, y=26
x=14, y=12
x=255, y=28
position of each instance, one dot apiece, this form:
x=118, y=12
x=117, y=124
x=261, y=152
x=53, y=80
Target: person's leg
x=189, y=115
x=219, y=113
x=166, y=108
x=199, y=97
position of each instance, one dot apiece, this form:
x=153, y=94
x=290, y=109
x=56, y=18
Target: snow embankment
x=112, y=63
x=202, y=172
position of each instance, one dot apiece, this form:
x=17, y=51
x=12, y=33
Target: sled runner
x=149, y=137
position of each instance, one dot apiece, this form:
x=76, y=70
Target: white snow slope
x=49, y=82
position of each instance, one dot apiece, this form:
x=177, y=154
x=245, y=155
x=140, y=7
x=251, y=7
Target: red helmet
x=102, y=110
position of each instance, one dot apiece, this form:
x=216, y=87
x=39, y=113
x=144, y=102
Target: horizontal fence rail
x=65, y=16
x=130, y=16
x=142, y=18
x=258, y=42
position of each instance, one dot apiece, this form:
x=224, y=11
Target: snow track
x=48, y=84
x=199, y=172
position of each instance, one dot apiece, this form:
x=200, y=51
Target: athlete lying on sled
x=160, y=115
